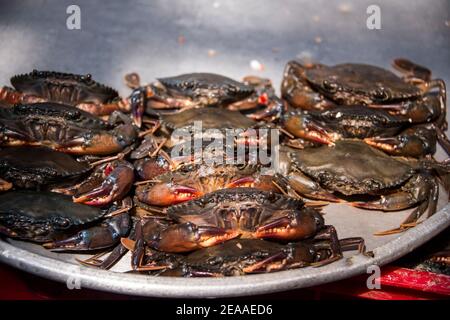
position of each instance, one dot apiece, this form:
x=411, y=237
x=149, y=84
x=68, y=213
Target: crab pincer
x=117, y=179
x=187, y=237
x=291, y=226
x=101, y=236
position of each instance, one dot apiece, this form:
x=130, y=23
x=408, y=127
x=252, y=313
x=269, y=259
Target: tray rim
x=143, y=285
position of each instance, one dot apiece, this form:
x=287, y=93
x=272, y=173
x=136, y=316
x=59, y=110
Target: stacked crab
x=374, y=134
x=83, y=169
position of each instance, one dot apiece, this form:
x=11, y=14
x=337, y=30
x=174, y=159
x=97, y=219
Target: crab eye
x=60, y=222
x=380, y=94
x=329, y=86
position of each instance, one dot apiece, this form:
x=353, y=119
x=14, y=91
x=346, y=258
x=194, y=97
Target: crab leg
x=418, y=189
x=10, y=96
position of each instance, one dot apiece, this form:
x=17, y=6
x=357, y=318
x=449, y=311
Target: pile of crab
x=85, y=170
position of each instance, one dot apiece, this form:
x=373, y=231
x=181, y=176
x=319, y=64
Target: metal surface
x=164, y=38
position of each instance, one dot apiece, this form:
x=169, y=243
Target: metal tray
x=161, y=38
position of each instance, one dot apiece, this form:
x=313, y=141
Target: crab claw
x=302, y=126
x=5, y=185
x=166, y=194
x=295, y=225
x=102, y=236
x=411, y=143
x=118, y=182
x=186, y=237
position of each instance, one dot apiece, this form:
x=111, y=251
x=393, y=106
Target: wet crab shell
x=360, y=81
x=210, y=118
x=219, y=205
x=232, y=257
x=207, y=88
x=50, y=110
x=31, y=167
x=63, y=87
x=352, y=167
x=42, y=216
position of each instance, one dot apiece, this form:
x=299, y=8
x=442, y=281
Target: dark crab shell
x=219, y=208
x=358, y=122
x=63, y=87
x=352, y=167
x=360, y=81
x=210, y=87
x=42, y=216
x=33, y=167
x=231, y=257
x=211, y=118
x=48, y=110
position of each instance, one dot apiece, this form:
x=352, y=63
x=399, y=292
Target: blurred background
x=236, y=38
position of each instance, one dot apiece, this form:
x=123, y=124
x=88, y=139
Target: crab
x=42, y=168
x=393, y=134
x=196, y=90
x=177, y=139
x=367, y=178
x=245, y=256
x=191, y=182
x=80, y=91
x=109, y=182
x=63, y=128
x=228, y=213
x=58, y=223
x=415, y=98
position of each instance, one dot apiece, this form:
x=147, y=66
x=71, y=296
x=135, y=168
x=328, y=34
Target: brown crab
x=191, y=182
x=229, y=213
x=367, y=178
x=63, y=128
x=415, y=98
x=196, y=90
x=245, y=256
x=80, y=91
x=393, y=134
x=60, y=224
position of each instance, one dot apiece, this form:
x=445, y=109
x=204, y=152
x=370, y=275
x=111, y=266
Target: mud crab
x=195, y=90
x=415, y=98
x=58, y=223
x=63, y=128
x=80, y=91
x=352, y=169
x=42, y=168
x=226, y=214
x=191, y=182
x=247, y=256
x=391, y=133
x=109, y=182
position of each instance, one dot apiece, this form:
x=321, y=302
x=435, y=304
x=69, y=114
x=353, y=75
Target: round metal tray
x=163, y=38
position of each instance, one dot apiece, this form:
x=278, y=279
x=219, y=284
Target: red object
x=396, y=284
